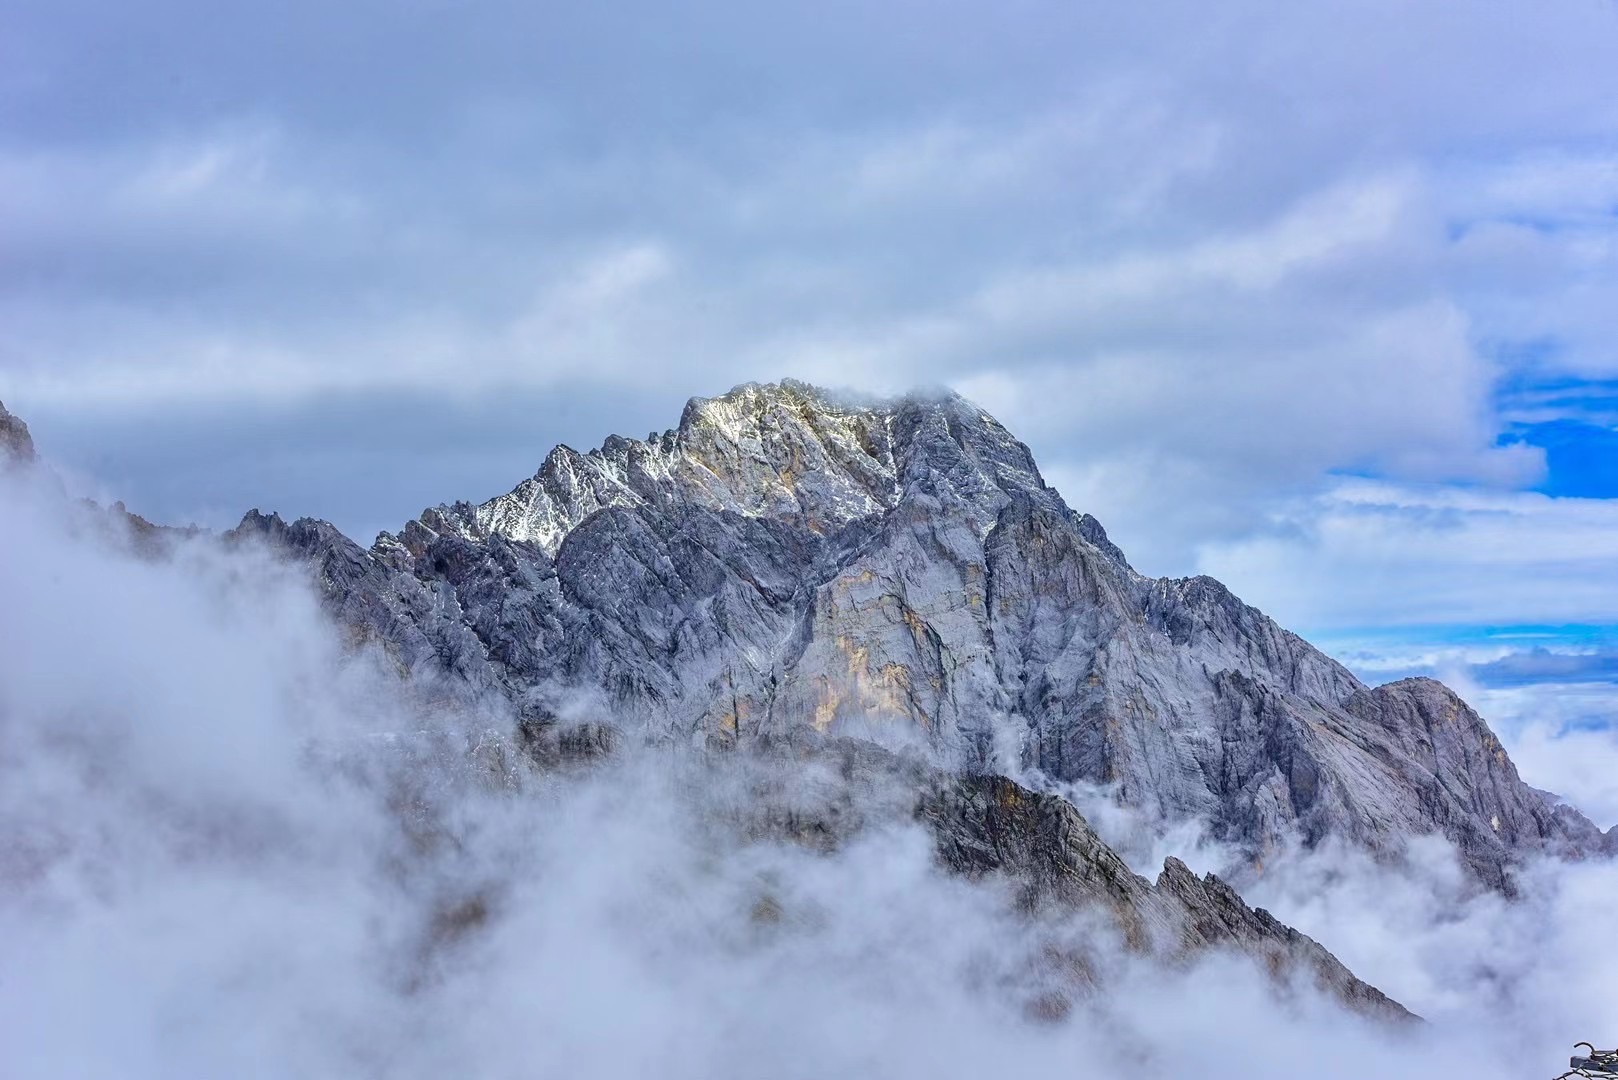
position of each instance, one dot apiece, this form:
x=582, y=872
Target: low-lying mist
x=1519, y=975
x=236, y=846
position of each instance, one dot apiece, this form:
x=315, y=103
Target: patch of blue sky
x=1574, y=421
x=1529, y=388
x=1494, y=656
x=1528, y=635
x=1581, y=458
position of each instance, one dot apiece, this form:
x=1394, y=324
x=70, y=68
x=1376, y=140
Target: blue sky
x=1574, y=421
x=1322, y=300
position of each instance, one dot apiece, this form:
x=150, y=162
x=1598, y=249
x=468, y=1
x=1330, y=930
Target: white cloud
x=1459, y=957
x=216, y=866
x=1370, y=553
x=1563, y=737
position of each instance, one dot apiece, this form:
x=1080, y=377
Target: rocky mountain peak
x=786, y=559
x=784, y=451
x=799, y=577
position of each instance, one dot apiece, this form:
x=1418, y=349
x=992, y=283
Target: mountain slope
x=785, y=557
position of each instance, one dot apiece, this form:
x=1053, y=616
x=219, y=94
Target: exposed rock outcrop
x=991, y=824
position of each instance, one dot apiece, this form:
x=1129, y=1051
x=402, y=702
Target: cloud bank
x=237, y=846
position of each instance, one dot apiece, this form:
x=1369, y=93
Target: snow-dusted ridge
x=745, y=452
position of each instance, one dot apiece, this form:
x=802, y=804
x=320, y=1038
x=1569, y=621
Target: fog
x=235, y=845
x=1513, y=976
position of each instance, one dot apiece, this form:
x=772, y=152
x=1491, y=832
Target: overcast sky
x=1320, y=298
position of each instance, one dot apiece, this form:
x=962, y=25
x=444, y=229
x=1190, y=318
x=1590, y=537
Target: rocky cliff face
x=784, y=559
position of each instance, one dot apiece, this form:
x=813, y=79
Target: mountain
x=786, y=558
x=1082, y=917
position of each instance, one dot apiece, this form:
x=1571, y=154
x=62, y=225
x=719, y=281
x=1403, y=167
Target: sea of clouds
x=236, y=846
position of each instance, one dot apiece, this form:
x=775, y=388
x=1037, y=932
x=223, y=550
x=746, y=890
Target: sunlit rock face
x=787, y=558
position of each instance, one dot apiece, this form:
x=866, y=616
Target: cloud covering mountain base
x=236, y=847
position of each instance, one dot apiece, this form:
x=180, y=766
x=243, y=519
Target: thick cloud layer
x=236, y=848
x=1514, y=973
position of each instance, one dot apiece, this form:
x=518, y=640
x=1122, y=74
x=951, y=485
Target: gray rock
x=785, y=559
x=989, y=824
